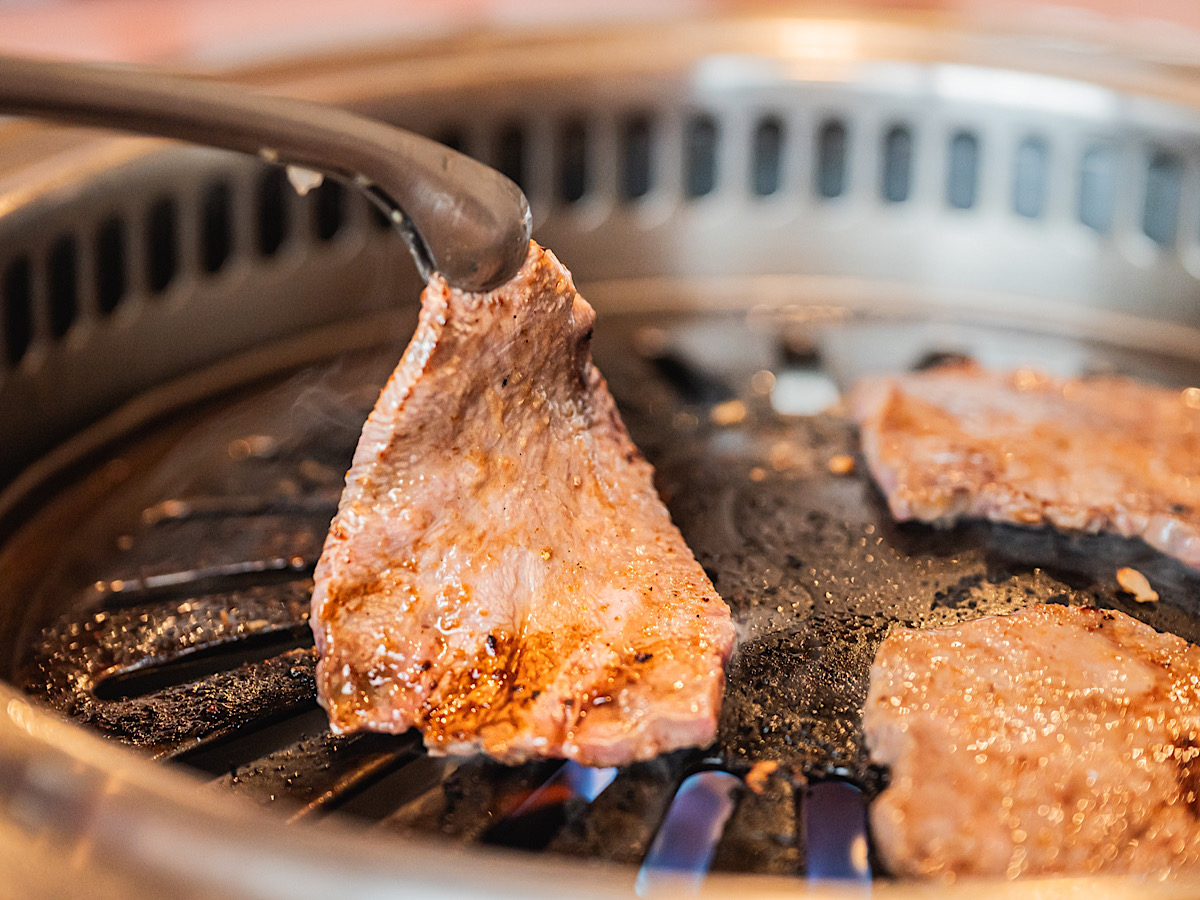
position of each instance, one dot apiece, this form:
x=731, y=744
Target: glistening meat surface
x=1056, y=740
x=1096, y=454
x=501, y=572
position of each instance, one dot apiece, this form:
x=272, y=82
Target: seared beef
x=1055, y=740
x=1096, y=454
x=501, y=573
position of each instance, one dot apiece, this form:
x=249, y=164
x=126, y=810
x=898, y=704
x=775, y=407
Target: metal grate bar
x=314, y=774
x=179, y=719
x=619, y=825
x=74, y=662
x=319, y=503
x=473, y=798
x=178, y=553
x=135, y=589
x=763, y=834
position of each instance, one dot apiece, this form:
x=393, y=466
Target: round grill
x=761, y=214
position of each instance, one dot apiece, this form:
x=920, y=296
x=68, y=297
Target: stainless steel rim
x=942, y=79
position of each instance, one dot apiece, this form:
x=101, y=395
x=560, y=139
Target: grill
x=761, y=214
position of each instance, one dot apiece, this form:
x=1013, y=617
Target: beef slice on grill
x=501, y=573
x=1096, y=454
x=1055, y=740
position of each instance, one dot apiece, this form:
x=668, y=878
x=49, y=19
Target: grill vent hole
x=1029, y=182
x=962, y=176
x=896, y=181
x=62, y=283
x=700, y=159
x=162, y=244
x=110, y=263
x=509, y=153
x=572, y=156
x=216, y=234
x=1098, y=188
x=637, y=158
x=831, y=159
x=272, y=211
x=18, y=309
x=1164, y=185
x=330, y=200
x=767, y=164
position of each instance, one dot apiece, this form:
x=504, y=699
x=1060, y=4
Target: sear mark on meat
x=501, y=573
x=1098, y=454
x=1055, y=740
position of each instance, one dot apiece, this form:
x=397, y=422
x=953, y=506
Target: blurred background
x=217, y=33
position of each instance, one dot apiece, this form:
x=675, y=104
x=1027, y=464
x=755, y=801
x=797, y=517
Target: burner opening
x=1099, y=173
x=683, y=849
x=329, y=214
x=1031, y=177
x=538, y=818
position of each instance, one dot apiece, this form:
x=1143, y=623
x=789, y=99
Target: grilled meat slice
x=501, y=573
x=1055, y=740
x=1096, y=454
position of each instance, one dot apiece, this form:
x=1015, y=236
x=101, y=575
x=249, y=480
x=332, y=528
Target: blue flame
x=683, y=849
x=835, y=833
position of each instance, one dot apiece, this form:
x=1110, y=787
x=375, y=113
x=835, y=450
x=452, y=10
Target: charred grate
x=189, y=637
x=86, y=667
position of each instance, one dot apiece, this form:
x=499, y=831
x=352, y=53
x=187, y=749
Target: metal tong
x=458, y=217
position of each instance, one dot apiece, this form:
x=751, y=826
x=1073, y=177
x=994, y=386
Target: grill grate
x=314, y=773
x=80, y=666
x=188, y=635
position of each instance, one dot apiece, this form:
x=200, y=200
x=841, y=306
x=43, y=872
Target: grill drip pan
x=756, y=230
